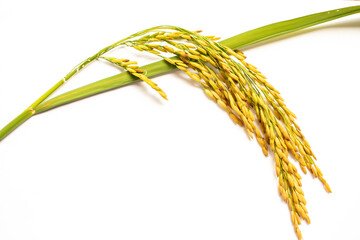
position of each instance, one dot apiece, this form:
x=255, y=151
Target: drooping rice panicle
x=243, y=92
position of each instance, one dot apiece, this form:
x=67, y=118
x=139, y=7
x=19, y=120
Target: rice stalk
x=234, y=84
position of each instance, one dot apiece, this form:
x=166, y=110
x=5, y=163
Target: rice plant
x=222, y=71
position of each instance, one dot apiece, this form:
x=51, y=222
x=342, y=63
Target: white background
x=129, y=165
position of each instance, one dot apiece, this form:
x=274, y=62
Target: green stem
x=241, y=40
x=25, y=115
x=31, y=110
